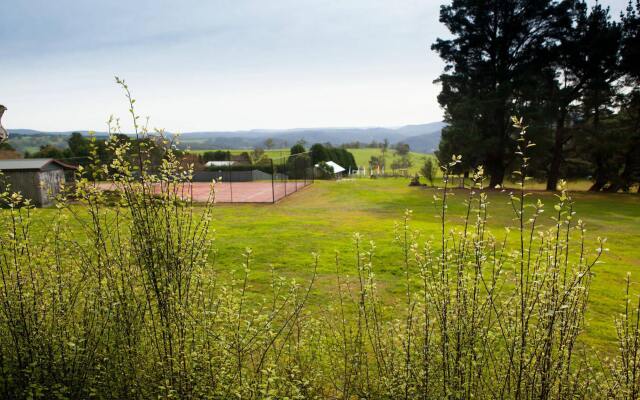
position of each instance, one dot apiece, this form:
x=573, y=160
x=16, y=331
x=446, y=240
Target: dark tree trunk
x=497, y=175
x=496, y=157
x=631, y=170
x=600, y=179
x=600, y=175
x=598, y=185
x=556, y=160
x=615, y=187
x=625, y=180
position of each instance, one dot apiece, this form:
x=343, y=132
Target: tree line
x=81, y=149
x=571, y=70
x=322, y=153
x=84, y=150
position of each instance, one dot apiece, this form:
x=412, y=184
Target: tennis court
x=236, y=181
x=233, y=192
x=246, y=192
x=265, y=181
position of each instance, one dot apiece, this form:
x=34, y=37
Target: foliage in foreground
x=133, y=308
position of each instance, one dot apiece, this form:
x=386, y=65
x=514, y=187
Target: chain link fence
x=239, y=179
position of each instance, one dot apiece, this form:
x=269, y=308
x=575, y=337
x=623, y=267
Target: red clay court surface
x=247, y=192
x=240, y=192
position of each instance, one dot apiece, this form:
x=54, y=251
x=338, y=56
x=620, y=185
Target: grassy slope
x=323, y=217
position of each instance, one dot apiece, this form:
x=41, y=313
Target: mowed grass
x=271, y=153
x=362, y=156
x=324, y=217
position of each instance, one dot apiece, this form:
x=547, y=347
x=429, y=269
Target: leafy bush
x=429, y=169
x=216, y=155
x=134, y=308
x=324, y=171
x=342, y=157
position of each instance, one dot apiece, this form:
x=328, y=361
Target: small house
x=37, y=179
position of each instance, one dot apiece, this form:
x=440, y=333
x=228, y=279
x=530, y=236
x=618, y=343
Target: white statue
x=4, y=135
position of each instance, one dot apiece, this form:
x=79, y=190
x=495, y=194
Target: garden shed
x=337, y=169
x=38, y=179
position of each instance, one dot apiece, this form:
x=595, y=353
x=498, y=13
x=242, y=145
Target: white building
x=219, y=163
x=337, y=169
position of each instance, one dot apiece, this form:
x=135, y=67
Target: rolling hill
x=422, y=138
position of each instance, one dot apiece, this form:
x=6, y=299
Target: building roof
x=219, y=163
x=31, y=164
x=335, y=167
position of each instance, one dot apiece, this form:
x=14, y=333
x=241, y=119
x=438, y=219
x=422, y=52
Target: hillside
x=422, y=138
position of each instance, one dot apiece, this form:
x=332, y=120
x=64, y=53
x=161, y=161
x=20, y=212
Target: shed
x=38, y=179
x=336, y=168
x=219, y=163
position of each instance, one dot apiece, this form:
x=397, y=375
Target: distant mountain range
x=421, y=138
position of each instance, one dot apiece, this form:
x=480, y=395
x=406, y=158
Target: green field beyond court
x=362, y=156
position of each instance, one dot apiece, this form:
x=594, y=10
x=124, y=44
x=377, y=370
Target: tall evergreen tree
x=585, y=62
x=603, y=36
x=630, y=107
x=497, y=46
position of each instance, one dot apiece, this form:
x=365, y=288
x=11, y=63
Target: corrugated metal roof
x=30, y=164
x=219, y=163
x=335, y=167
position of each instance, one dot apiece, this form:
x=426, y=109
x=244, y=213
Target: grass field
x=271, y=153
x=362, y=156
x=323, y=218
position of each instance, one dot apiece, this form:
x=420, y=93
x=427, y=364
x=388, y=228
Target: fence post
x=286, y=177
x=229, y=175
x=273, y=187
x=304, y=170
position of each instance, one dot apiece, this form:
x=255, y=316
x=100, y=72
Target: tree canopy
x=569, y=69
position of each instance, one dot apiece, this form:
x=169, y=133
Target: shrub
x=429, y=169
x=216, y=155
x=134, y=308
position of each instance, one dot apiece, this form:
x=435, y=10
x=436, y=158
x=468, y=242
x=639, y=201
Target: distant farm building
x=337, y=169
x=210, y=164
x=37, y=179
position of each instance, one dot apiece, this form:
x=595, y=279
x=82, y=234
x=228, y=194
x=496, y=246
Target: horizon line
x=395, y=127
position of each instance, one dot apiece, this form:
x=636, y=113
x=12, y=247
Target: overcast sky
x=221, y=64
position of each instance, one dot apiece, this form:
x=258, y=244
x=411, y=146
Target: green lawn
x=362, y=156
x=323, y=217
x=271, y=153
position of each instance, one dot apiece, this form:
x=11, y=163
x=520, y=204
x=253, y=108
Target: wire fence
x=239, y=179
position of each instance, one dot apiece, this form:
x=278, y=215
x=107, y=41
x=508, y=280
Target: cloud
x=221, y=64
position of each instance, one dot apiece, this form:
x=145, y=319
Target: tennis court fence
x=267, y=180
x=239, y=179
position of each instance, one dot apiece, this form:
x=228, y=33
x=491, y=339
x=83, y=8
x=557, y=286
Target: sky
x=221, y=64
